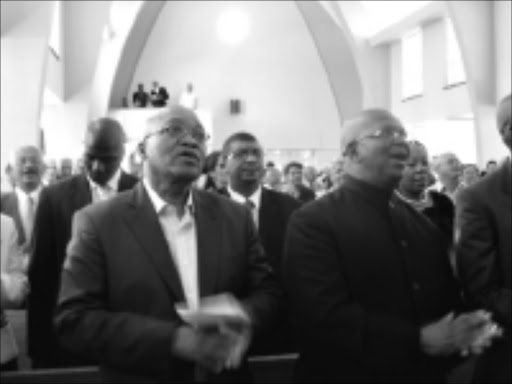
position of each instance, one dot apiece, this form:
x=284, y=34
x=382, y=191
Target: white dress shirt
x=27, y=205
x=255, y=199
x=181, y=237
x=104, y=192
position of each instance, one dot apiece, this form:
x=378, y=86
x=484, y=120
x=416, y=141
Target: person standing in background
x=21, y=204
x=103, y=153
x=271, y=211
x=484, y=252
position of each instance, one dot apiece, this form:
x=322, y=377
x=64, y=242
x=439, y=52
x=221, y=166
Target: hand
x=436, y=339
x=207, y=347
x=462, y=334
x=483, y=338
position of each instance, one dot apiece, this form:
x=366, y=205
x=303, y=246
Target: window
x=455, y=72
x=55, y=42
x=412, y=64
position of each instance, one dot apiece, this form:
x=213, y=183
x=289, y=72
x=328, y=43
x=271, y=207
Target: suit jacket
x=13, y=265
x=14, y=285
x=364, y=271
x=52, y=231
x=275, y=211
x=483, y=258
x=117, y=299
x=9, y=206
x=305, y=194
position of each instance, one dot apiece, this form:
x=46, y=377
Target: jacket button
x=416, y=286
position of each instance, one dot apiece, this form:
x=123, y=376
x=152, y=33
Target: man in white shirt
x=188, y=98
x=21, y=204
x=270, y=211
x=136, y=259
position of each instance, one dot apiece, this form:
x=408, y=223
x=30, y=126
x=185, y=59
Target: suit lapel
x=143, y=221
x=506, y=179
x=268, y=211
x=81, y=193
x=209, y=242
x=16, y=215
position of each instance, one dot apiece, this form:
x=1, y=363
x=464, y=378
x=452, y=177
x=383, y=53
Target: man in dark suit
x=271, y=211
x=368, y=277
x=21, y=204
x=132, y=259
x=104, y=151
x=295, y=187
x=484, y=251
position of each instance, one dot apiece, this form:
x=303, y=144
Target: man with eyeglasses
x=103, y=153
x=166, y=283
x=270, y=211
x=368, y=277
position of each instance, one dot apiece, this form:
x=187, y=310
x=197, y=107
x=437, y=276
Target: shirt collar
x=34, y=194
x=160, y=204
x=255, y=197
x=112, y=184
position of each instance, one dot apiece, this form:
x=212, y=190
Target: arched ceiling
x=13, y=12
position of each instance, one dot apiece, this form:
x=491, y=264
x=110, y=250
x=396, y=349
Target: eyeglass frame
x=392, y=133
x=178, y=137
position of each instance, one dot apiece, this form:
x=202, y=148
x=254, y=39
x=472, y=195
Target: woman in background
x=413, y=189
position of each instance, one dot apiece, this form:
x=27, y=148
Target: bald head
x=363, y=123
x=28, y=167
x=104, y=149
x=173, y=147
x=373, y=144
x=503, y=120
x=106, y=136
x=174, y=113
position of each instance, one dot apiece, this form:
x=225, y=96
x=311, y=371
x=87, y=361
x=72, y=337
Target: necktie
x=30, y=215
x=249, y=204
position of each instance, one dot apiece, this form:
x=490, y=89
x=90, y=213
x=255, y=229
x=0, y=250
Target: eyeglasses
x=385, y=133
x=178, y=132
x=243, y=154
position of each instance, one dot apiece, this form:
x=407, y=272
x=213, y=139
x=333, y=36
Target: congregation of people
x=390, y=264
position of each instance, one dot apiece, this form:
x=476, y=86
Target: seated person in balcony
x=158, y=95
x=140, y=97
x=188, y=98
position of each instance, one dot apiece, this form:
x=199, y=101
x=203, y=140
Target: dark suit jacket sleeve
x=126, y=341
x=43, y=274
x=329, y=321
x=265, y=296
x=477, y=257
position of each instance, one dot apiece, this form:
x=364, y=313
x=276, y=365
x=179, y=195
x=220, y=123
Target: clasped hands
x=470, y=332
x=216, y=336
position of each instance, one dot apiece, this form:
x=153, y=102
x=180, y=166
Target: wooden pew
x=265, y=369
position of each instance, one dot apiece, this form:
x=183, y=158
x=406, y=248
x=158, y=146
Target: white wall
x=436, y=102
x=23, y=63
x=435, y=117
x=276, y=72
x=503, y=39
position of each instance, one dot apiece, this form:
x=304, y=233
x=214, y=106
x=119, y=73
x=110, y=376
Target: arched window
x=412, y=64
x=55, y=42
x=455, y=72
